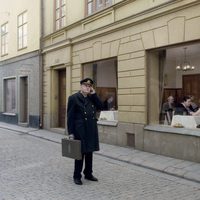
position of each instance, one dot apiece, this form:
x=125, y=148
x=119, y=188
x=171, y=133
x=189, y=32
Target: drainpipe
x=68, y=79
x=41, y=63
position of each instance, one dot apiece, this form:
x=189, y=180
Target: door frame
x=19, y=99
x=190, y=75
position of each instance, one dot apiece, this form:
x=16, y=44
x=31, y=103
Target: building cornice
x=144, y=16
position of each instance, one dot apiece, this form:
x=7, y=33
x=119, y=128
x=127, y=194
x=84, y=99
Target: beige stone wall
x=181, y=146
x=128, y=40
x=9, y=11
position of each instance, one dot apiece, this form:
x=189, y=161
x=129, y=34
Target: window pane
x=89, y=8
x=20, y=37
x=20, y=32
x=63, y=11
x=99, y=4
x=10, y=99
x=20, y=43
x=19, y=20
x=104, y=74
x=6, y=49
x=25, y=41
x=25, y=17
x=63, y=22
x=60, y=14
x=57, y=4
x=3, y=30
x=6, y=27
x=25, y=29
x=3, y=40
x=57, y=24
x=62, y=2
x=57, y=14
x=108, y=2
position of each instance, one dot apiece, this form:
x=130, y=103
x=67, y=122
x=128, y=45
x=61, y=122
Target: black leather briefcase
x=71, y=148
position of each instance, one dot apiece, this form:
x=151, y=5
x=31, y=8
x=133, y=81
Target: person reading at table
x=168, y=110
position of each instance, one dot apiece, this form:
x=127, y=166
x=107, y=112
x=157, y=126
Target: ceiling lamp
x=185, y=65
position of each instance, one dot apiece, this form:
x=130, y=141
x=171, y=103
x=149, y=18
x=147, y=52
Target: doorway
x=62, y=98
x=23, y=99
x=191, y=86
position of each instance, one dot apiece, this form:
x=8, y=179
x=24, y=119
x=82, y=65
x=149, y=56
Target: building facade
x=131, y=49
x=20, y=61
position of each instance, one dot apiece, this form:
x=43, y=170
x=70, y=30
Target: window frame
x=60, y=10
x=22, y=37
x=160, y=81
x=12, y=110
x=108, y=117
x=95, y=7
x=4, y=39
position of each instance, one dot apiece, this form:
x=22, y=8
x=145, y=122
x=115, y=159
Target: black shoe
x=77, y=181
x=91, y=178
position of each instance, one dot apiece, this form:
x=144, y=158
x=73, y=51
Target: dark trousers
x=78, y=165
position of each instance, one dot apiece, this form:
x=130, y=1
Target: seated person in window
x=184, y=108
x=168, y=109
x=109, y=103
x=194, y=107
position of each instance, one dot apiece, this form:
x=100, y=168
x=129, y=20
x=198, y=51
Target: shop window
x=173, y=73
x=10, y=95
x=104, y=74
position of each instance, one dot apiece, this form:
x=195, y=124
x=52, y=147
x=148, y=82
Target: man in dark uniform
x=82, y=125
x=184, y=108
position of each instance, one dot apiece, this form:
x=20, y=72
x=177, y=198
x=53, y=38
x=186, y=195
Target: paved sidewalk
x=176, y=167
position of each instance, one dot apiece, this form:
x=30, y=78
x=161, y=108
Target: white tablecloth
x=186, y=121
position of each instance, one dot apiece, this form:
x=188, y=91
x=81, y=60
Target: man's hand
x=92, y=90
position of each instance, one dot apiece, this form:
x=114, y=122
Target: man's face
x=188, y=102
x=85, y=88
x=171, y=100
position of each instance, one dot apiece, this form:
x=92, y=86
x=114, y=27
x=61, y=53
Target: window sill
x=10, y=114
x=169, y=129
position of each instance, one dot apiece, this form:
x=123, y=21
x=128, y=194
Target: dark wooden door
x=62, y=98
x=191, y=86
x=175, y=92
x=23, y=117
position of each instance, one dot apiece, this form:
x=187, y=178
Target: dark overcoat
x=82, y=121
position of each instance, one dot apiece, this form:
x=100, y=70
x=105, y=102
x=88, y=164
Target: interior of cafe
x=180, y=77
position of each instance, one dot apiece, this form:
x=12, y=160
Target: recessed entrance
x=62, y=98
x=23, y=99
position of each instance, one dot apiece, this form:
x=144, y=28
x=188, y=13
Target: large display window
x=173, y=77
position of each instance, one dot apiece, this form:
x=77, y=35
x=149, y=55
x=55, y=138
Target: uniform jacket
x=181, y=110
x=82, y=122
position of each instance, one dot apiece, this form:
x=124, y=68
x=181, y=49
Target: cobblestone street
x=33, y=169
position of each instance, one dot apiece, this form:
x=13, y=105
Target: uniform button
x=93, y=111
x=92, y=105
x=85, y=118
x=85, y=113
